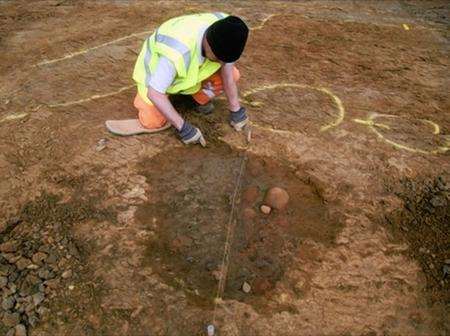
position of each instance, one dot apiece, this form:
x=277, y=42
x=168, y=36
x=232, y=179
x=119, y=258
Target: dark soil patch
x=424, y=222
x=189, y=210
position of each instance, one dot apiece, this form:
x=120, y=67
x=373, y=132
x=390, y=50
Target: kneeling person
x=190, y=55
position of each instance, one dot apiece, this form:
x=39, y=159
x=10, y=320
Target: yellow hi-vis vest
x=177, y=39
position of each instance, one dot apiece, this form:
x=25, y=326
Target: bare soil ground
x=349, y=102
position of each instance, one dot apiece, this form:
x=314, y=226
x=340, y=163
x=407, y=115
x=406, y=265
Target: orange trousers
x=150, y=117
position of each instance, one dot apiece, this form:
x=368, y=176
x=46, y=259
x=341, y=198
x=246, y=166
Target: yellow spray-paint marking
x=14, y=117
x=436, y=128
x=263, y=22
x=84, y=51
x=94, y=97
x=372, y=125
x=336, y=100
x=405, y=26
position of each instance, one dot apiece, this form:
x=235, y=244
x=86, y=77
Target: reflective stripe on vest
x=219, y=15
x=180, y=47
x=147, y=60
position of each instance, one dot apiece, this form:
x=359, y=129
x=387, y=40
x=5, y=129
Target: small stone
x=101, y=145
x=9, y=246
x=52, y=258
x=39, y=257
x=5, y=269
x=38, y=298
x=11, y=319
x=446, y=270
x=10, y=257
x=3, y=281
x=276, y=198
x=23, y=263
x=67, y=274
x=246, y=287
x=52, y=284
x=13, y=276
x=71, y=287
x=46, y=274
x=8, y=303
x=33, y=319
x=265, y=209
x=20, y=330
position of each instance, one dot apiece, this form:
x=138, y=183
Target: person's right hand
x=191, y=135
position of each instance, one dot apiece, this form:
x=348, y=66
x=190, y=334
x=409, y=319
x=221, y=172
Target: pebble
x=67, y=274
x=3, y=281
x=20, y=330
x=8, y=303
x=101, y=145
x=23, y=263
x=9, y=246
x=11, y=319
x=277, y=198
x=265, y=209
x=246, y=288
x=46, y=274
x=38, y=298
x=39, y=257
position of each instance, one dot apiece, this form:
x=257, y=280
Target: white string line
x=226, y=252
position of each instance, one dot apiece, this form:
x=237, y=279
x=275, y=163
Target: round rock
x=276, y=198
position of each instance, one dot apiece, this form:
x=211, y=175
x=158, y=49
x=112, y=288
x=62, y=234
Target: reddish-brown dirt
x=349, y=103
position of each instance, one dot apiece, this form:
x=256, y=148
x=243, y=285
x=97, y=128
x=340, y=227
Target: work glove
x=239, y=119
x=191, y=135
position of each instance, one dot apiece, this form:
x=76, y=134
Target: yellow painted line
x=436, y=128
x=84, y=51
x=14, y=117
x=263, y=22
x=94, y=97
x=372, y=125
x=336, y=100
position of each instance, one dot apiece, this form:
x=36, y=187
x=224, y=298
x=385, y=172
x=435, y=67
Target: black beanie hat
x=227, y=38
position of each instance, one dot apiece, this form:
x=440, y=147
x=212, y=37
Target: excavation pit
x=188, y=213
